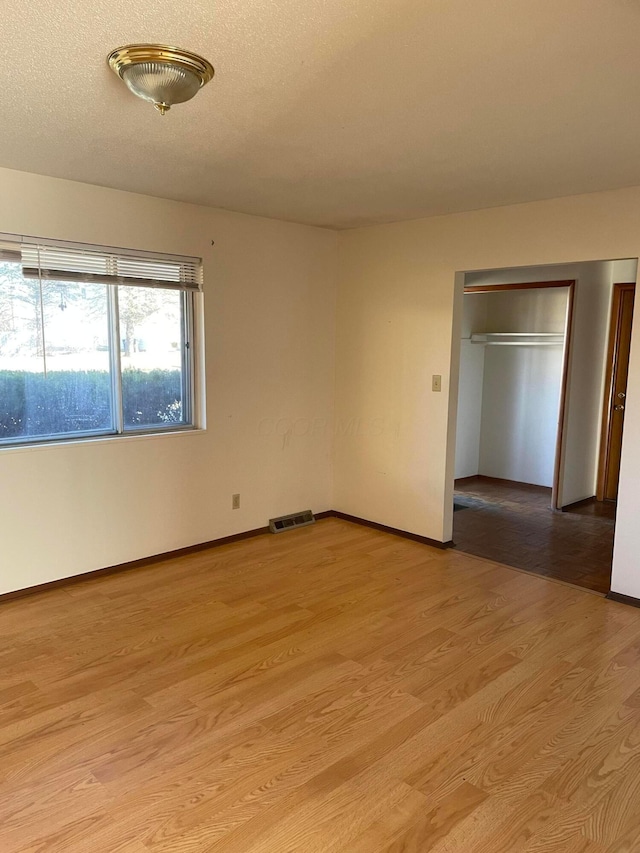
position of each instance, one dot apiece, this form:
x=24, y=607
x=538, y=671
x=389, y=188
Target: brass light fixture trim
x=160, y=73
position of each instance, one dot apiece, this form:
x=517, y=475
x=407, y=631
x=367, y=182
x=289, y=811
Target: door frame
x=566, y=356
x=615, y=323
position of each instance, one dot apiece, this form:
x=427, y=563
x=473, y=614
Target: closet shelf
x=518, y=339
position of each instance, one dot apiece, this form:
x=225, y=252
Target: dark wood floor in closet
x=512, y=523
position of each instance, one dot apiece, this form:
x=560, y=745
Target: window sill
x=99, y=439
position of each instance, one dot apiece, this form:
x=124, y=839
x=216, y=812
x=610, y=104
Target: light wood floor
x=327, y=690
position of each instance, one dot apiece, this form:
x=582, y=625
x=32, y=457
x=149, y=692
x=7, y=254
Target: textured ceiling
x=333, y=112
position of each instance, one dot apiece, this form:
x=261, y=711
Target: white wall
x=585, y=387
x=399, y=322
x=269, y=315
x=520, y=413
x=469, y=423
x=470, y=394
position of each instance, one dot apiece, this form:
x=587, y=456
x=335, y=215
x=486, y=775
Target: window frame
x=189, y=368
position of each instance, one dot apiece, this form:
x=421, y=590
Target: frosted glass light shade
x=160, y=74
x=161, y=83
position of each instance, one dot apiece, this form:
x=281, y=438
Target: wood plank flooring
x=513, y=523
x=334, y=689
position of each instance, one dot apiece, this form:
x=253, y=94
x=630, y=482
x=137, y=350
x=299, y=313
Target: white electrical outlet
x=235, y=501
x=436, y=382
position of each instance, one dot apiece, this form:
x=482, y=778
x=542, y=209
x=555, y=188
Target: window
x=93, y=341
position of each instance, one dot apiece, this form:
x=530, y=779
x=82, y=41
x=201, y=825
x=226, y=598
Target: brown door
x=615, y=390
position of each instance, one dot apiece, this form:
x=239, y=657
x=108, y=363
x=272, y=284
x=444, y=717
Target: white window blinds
x=9, y=250
x=92, y=264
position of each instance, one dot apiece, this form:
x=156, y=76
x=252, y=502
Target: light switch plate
x=436, y=382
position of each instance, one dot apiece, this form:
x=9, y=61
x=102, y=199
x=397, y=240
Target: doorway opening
x=543, y=358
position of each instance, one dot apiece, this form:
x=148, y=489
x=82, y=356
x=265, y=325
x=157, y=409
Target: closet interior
x=512, y=354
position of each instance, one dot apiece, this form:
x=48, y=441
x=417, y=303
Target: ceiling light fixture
x=161, y=74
